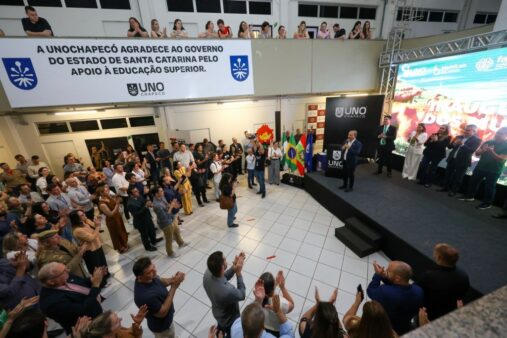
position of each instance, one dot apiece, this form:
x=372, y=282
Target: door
x=55, y=152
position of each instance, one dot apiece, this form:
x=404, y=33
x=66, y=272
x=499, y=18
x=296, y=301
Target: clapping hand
x=333, y=297
x=379, y=270
x=141, y=314
x=25, y=303
x=317, y=296
x=275, y=306
x=259, y=291
x=423, y=317
x=81, y=323
x=280, y=279
x=213, y=332
x=98, y=275
x=21, y=263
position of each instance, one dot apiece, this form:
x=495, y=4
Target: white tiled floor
x=288, y=224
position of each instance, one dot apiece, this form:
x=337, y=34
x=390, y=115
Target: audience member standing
x=198, y=183
x=493, y=155
x=121, y=186
x=244, y=31
x=321, y=320
x=15, y=281
x=386, y=136
x=151, y=290
x=260, y=163
x=445, y=283
x=227, y=189
x=339, y=33
x=285, y=304
x=179, y=31
x=164, y=157
x=302, y=32
x=167, y=220
x=367, y=33
x=12, y=178
x=400, y=299
x=224, y=32
x=460, y=158
x=110, y=206
x=250, y=167
x=209, y=32
x=414, y=153
x=374, y=322
x=33, y=168
x=433, y=153
x=64, y=297
x=282, y=33
x=185, y=188
x=217, y=168
x=322, y=34
x=274, y=156
x=265, y=31
x=356, y=33
x=143, y=222
x=33, y=25
x=224, y=296
x=80, y=197
x=156, y=32
x=350, y=150
x=153, y=164
x=136, y=30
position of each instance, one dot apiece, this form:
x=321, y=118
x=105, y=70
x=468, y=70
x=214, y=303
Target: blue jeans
x=259, y=174
x=231, y=213
x=250, y=177
x=489, y=184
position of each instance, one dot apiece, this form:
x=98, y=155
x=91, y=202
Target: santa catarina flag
x=300, y=158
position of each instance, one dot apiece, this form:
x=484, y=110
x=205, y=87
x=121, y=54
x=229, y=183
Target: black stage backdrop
x=361, y=113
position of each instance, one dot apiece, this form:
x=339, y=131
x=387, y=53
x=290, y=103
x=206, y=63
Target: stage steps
x=359, y=237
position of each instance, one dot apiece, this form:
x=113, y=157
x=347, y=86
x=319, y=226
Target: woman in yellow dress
x=185, y=188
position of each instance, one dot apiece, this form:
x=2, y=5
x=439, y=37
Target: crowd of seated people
x=33, y=25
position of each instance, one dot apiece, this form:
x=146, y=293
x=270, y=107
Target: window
x=52, y=128
x=436, y=16
x=84, y=125
x=180, y=5
x=480, y=18
x=45, y=3
x=451, y=17
x=491, y=18
x=259, y=7
x=348, y=12
x=81, y=3
x=308, y=10
x=208, y=6
x=234, y=6
x=114, y=123
x=12, y=2
x=328, y=11
x=142, y=121
x=367, y=13
x=115, y=4
x=421, y=15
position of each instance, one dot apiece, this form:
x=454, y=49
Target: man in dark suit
x=143, y=222
x=64, y=298
x=460, y=159
x=153, y=163
x=350, y=151
x=386, y=136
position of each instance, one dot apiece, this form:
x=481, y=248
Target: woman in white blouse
x=414, y=152
x=274, y=156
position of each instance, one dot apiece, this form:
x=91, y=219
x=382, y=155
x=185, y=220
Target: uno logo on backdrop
x=350, y=112
x=146, y=88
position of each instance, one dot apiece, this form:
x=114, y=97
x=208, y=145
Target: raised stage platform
x=413, y=218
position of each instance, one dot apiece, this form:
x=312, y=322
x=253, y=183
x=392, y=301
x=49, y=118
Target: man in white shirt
x=121, y=185
x=183, y=156
x=80, y=197
x=33, y=168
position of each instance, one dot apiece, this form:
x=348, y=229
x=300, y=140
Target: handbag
x=226, y=202
x=268, y=162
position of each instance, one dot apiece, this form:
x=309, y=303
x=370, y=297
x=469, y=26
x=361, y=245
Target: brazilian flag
x=292, y=154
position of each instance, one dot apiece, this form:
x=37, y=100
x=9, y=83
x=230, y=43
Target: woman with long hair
x=227, y=188
x=110, y=206
x=302, y=32
x=15, y=242
x=271, y=321
x=321, y=320
x=373, y=324
x=86, y=231
x=244, y=31
x=367, y=34
x=209, y=31
x=43, y=181
x=179, y=31
x=108, y=325
x=185, y=188
x=156, y=32
x=282, y=33
x=135, y=29
x=434, y=152
x=414, y=152
x=356, y=33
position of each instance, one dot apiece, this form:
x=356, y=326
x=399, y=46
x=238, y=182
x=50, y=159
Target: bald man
x=400, y=299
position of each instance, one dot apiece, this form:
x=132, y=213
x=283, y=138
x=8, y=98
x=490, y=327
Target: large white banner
x=55, y=72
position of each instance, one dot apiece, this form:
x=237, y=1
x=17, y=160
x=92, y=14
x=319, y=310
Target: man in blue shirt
x=151, y=290
x=400, y=299
x=251, y=322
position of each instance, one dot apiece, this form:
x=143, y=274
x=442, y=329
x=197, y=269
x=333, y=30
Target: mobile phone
x=360, y=289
